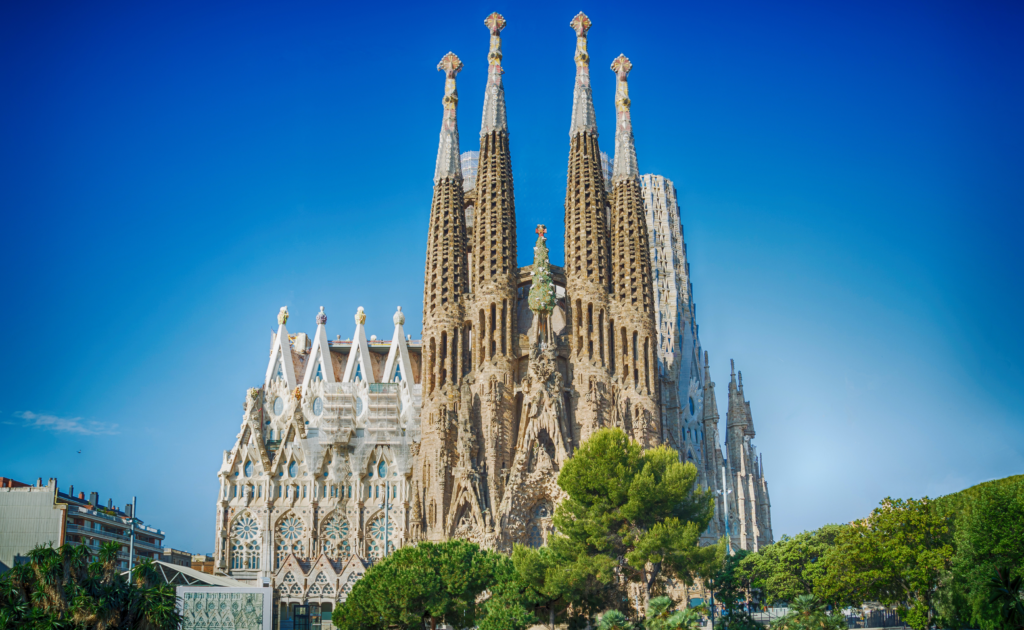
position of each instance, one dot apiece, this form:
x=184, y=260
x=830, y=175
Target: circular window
x=691, y=406
x=382, y=469
x=246, y=528
x=248, y=469
x=359, y=406
x=293, y=469
x=318, y=406
x=278, y=406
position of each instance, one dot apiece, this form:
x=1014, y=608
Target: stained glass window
x=278, y=406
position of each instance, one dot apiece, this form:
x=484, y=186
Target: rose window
x=291, y=528
x=375, y=545
x=289, y=539
x=335, y=542
x=246, y=528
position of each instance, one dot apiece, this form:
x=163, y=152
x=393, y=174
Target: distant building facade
x=31, y=516
x=177, y=557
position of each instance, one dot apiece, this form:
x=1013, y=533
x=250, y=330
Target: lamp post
x=131, y=543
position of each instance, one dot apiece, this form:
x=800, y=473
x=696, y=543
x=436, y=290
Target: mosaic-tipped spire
x=494, y=97
x=625, y=153
x=448, y=162
x=583, y=119
x=542, y=291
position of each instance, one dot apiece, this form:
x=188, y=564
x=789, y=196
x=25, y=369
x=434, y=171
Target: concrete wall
x=28, y=518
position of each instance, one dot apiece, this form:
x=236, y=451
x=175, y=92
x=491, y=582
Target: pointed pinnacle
x=621, y=67
x=450, y=64
x=495, y=23
x=580, y=24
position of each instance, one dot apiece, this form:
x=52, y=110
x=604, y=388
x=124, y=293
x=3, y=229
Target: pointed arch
x=359, y=359
x=320, y=366
x=280, y=365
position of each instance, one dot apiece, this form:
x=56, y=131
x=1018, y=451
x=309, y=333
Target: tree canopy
x=433, y=582
x=67, y=587
x=641, y=506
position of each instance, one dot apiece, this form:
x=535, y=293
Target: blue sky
x=850, y=178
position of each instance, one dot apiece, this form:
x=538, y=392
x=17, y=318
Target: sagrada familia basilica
x=352, y=448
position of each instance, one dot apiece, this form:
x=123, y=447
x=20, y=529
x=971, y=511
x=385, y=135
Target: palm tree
x=1005, y=592
x=67, y=588
x=807, y=613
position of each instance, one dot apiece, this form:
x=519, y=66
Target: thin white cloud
x=64, y=425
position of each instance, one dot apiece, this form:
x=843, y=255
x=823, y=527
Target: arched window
x=293, y=469
x=535, y=539
x=248, y=468
x=290, y=539
x=245, y=543
x=379, y=529
x=335, y=541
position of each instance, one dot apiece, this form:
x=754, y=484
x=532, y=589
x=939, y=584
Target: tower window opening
x=494, y=323
x=504, y=327
x=443, y=359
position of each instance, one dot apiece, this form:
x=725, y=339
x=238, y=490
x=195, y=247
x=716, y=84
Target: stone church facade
x=352, y=448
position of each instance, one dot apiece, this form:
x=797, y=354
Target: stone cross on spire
x=583, y=119
x=448, y=163
x=494, y=98
x=541, y=230
x=625, y=152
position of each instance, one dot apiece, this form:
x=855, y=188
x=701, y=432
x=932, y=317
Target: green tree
x=988, y=536
x=68, y=588
x=630, y=504
x=731, y=587
x=792, y=566
x=430, y=583
x=661, y=616
x=807, y=613
x=1005, y=595
x=896, y=556
x=556, y=593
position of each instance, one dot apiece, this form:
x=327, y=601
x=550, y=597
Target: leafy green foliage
x=731, y=585
x=434, y=582
x=661, y=616
x=896, y=556
x=807, y=613
x=989, y=537
x=627, y=503
x=1005, y=594
x=67, y=588
x=792, y=566
x=614, y=620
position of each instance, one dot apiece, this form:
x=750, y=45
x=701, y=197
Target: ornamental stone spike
x=494, y=117
x=399, y=317
x=360, y=316
x=321, y=317
x=448, y=162
x=625, y=152
x=583, y=118
x=282, y=316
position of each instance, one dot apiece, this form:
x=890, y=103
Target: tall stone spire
x=625, y=154
x=445, y=284
x=448, y=163
x=494, y=279
x=494, y=97
x=593, y=335
x=632, y=296
x=583, y=119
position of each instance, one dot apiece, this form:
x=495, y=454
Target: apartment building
x=34, y=515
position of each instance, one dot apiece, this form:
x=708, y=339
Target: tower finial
x=494, y=98
x=583, y=119
x=321, y=317
x=448, y=162
x=282, y=316
x=732, y=367
x=625, y=151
